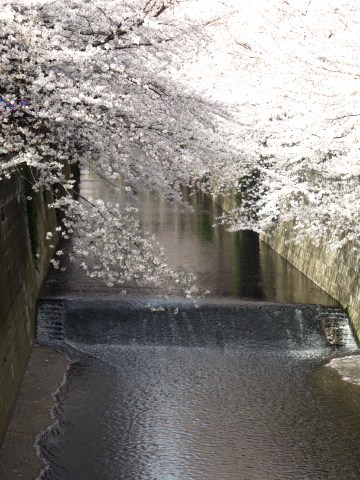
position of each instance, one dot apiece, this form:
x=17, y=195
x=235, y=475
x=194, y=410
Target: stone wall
x=21, y=277
x=336, y=272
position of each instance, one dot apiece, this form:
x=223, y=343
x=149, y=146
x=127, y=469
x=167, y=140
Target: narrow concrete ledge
x=31, y=415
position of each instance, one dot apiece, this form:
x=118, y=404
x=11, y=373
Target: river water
x=238, y=387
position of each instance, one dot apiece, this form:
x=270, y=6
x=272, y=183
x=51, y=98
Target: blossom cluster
x=256, y=99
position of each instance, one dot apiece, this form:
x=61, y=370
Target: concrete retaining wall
x=21, y=276
x=336, y=272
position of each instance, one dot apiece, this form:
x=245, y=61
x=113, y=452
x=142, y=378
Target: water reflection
x=228, y=264
x=231, y=390
x=132, y=413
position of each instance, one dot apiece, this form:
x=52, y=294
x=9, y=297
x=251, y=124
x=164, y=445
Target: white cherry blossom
x=259, y=100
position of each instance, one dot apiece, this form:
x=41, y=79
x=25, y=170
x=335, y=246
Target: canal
x=236, y=387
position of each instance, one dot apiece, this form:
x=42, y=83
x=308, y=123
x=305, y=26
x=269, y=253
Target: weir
x=221, y=323
x=170, y=390
x=233, y=385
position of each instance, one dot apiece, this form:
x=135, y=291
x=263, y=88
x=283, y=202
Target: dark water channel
x=237, y=388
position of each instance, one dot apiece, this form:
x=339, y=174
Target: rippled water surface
x=237, y=388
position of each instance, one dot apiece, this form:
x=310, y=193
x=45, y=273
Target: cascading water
x=224, y=323
x=233, y=388
x=50, y=321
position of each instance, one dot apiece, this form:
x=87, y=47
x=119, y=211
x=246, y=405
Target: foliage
x=172, y=93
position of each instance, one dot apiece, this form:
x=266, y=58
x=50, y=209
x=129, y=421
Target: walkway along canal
x=238, y=388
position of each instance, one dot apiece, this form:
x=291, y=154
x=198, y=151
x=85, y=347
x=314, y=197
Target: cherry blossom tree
x=81, y=83
x=253, y=99
x=289, y=73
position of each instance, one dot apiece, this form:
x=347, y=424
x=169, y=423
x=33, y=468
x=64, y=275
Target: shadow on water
x=232, y=388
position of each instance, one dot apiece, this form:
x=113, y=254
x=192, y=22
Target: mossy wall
x=23, y=265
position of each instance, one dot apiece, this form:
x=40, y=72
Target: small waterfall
x=50, y=327
x=255, y=324
x=336, y=328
